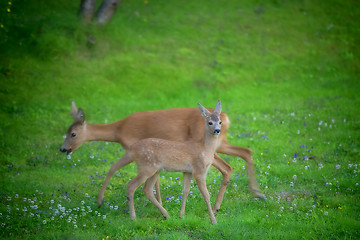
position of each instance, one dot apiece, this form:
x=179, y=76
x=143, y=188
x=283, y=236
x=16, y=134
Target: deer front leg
x=119, y=164
x=149, y=192
x=131, y=188
x=201, y=182
x=186, y=190
x=226, y=170
x=244, y=153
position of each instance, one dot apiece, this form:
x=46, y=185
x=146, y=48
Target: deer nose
x=62, y=150
x=217, y=131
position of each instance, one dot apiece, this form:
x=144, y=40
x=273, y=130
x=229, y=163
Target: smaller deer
x=192, y=158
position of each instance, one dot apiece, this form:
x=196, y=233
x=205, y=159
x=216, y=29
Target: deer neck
x=102, y=132
x=210, y=142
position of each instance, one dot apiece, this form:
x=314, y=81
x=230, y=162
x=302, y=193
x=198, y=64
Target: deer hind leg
x=201, y=182
x=186, y=190
x=157, y=188
x=125, y=160
x=244, y=153
x=226, y=170
x=149, y=192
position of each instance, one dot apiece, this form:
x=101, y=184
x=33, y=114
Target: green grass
x=287, y=73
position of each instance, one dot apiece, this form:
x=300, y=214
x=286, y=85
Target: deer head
x=212, y=120
x=75, y=135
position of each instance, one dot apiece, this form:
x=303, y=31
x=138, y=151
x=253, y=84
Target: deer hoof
x=258, y=194
x=214, y=222
x=215, y=210
x=100, y=203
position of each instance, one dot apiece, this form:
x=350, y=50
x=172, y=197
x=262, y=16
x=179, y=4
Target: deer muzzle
x=68, y=151
x=62, y=150
x=217, y=131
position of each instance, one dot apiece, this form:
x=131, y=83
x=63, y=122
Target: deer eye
x=210, y=123
x=73, y=135
x=220, y=123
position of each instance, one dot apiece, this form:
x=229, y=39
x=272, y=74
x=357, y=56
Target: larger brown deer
x=153, y=155
x=177, y=124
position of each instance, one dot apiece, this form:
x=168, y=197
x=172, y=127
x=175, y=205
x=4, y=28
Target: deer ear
x=204, y=112
x=74, y=110
x=80, y=116
x=77, y=114
x=218, y=108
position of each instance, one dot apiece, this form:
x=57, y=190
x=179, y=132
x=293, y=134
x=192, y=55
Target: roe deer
x=153, y=155
x=177, y=124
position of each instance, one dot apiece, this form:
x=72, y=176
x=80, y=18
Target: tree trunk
x=106, y=11
x=86, y=11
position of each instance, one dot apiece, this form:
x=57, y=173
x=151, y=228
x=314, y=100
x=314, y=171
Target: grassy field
x=287, y=73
